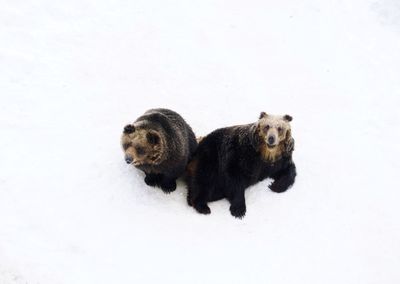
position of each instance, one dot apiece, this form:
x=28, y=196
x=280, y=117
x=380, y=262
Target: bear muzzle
x=128, y=159
x=271, y=141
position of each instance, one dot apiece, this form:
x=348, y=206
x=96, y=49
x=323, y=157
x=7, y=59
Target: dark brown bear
x=160, y=143
x=229, y=160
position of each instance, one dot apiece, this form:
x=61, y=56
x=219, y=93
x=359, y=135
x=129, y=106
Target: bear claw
x=238, y=211
x=168, y=187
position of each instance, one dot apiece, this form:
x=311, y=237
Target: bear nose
x=271, y=140
x=128, y=160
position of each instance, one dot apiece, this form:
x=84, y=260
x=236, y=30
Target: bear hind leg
x=197, y=197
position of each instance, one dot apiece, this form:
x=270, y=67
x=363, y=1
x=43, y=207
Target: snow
x=73, y=73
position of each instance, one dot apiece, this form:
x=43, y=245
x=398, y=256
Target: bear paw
x=289, y=147
x=238, y=211
x=202, y=208
x=278, y=187
x=168, y=186
x=150, y=180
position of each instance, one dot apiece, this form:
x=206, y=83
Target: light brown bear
x=160, y=143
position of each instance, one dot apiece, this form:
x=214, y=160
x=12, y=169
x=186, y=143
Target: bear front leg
x=289, y=147
x=168, y=184
x=238, y=203
x=152, y=179
x=284, y=179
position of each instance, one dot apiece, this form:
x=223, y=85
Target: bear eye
x=125, y=146
x=280, y=129
x=139, y=150
x=266, y=127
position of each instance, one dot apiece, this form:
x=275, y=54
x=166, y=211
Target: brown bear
x=160, y=143
x=229, y=160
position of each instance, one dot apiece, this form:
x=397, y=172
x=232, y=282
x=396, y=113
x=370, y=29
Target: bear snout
x=271, y=140
x=128, y=159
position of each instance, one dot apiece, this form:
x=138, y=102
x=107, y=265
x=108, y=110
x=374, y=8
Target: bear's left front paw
x=278, y=187
x=168, y=186
x=238, y=211
x=289, y=147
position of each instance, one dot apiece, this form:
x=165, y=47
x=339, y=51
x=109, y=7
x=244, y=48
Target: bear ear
x=128, y=129
x=153, y=138
x=262, y=115
x=288, y=118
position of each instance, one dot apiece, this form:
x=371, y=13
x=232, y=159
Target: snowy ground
x=72, y=73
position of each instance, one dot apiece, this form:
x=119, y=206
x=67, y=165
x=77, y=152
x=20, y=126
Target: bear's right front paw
x=150, y=181
x=238, y=211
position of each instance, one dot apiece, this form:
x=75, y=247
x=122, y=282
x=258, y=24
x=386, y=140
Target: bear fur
x=160, y=143
x=229, y=160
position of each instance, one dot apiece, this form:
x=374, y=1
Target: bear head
x=274, y=131
x=142, y=146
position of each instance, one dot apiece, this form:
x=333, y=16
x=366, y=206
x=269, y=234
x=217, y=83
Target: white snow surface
x=73, y=73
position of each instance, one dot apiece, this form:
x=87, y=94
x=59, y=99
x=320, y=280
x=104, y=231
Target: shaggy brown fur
x=160, y=143
x=229, y=160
